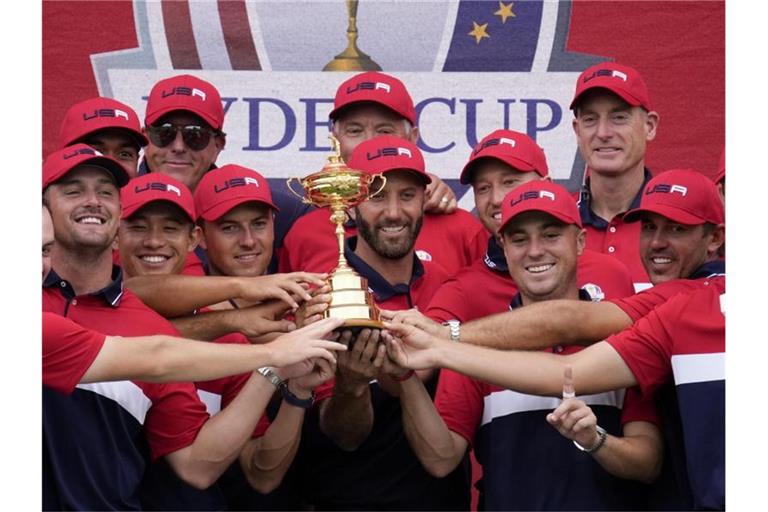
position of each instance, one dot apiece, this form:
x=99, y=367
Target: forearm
x=265, y=460
x=164, y=358
x=596, y=369
x=206, y=326
x=546, y=324
x=176, y=295
x=347, y=416
x=437, y=448
x=223, y=436
x=635, y=456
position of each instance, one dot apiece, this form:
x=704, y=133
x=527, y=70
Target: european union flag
x=494, y=36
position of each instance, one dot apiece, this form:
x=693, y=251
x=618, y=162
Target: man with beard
x=353, y=453
x=368, y=105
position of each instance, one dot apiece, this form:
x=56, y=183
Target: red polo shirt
x=453, y=241
x=176, y=414
x=485, y=287
x=615, y=237
x=639, y=305
x=68, y=351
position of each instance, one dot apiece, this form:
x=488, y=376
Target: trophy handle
x=383, y=184
x=300, y=196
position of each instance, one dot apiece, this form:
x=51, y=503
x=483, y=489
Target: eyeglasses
x=195, y=137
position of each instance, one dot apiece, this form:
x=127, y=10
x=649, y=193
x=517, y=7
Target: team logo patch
x=164, y=187
x=235, y=182
x=368, y=86
x=423, y=255
x=594, y=291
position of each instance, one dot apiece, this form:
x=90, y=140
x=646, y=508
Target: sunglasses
x=195, y=137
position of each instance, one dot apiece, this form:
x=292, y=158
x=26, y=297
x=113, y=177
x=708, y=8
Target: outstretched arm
x=599, y=367
x=176, y=295
x=167, y=359
x=545, y=324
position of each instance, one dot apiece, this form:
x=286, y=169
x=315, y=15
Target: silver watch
x=601, y=435
x=271, y=376
x=455, y=328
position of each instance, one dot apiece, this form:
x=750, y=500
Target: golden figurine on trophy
x=338, y=187
x=352, y=58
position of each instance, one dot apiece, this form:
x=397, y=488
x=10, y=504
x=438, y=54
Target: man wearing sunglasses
x=184, y=121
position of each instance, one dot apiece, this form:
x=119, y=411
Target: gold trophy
x=338, y=187
x=352, y=58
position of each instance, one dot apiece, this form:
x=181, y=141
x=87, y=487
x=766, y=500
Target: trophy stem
x=339, y=217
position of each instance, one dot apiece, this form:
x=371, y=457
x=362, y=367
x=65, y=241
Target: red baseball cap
x=230, y=185
x=513, y=148
x=154, y=186
x=185, y=92
x=60, y=162
x=377, y=87
x=97, y=114
x=388, y=153
x=682, y=195
x=540, y=195
x=621, y=80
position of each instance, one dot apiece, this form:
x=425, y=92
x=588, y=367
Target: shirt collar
x=517, y=300
x=709, y=269
x=111, y=294
x=588, y=217
x=380, y=287
x=494, y=257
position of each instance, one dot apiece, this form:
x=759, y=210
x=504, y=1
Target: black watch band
x=288, y=396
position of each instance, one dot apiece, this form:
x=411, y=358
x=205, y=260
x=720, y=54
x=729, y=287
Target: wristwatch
x=455, y=328
x=601, y=435
x=282, y=386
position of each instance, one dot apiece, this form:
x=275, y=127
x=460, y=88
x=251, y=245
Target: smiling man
x=542, y=237
x=158, y=230
x=353, y=451
x=613, y=122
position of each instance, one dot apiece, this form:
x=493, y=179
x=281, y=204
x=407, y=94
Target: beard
x=389, y=249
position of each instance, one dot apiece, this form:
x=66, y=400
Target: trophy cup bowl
x=338, y=187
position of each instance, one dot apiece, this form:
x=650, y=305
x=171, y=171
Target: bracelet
x=303, y=403
x=407, y=375
x=601, y=436
x=455, y=327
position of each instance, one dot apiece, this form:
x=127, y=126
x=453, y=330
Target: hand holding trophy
x=339, y=187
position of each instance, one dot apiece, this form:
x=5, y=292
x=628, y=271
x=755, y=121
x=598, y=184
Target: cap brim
x=152, y=118
x=520, y=165
x=337, y=111
x=423, y=175
x=624, y=95
x=223, y=207
x=133, y=208
x=670, y=212
x=557, y=215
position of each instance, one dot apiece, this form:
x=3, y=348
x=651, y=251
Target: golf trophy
x=338, y=187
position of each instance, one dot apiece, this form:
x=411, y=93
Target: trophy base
x=357, y=324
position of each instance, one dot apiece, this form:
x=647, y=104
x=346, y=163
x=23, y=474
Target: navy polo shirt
x=383, y=473
x=98, y=441
x=527, y=464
